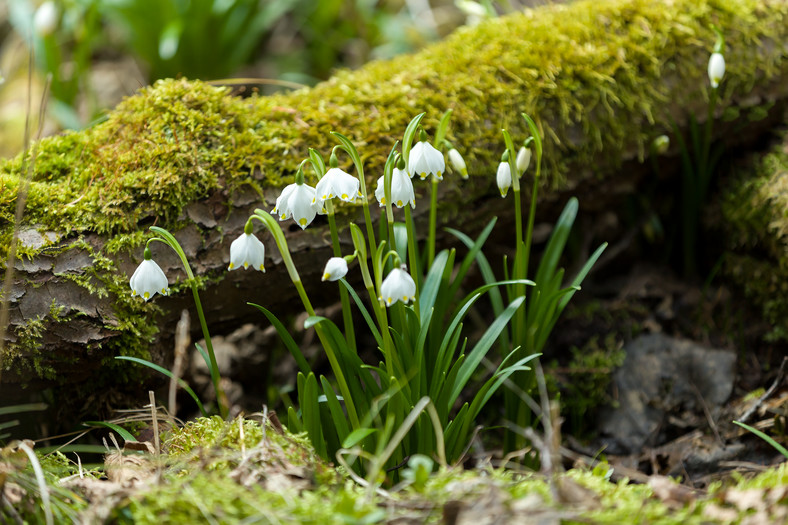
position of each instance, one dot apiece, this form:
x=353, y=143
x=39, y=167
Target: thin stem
x=413, y=256
x=281, y=243
x=433, y=222
x=170, y=240
x=347, y=315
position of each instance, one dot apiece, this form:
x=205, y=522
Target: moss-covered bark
x=602, y=78
x=755, y=211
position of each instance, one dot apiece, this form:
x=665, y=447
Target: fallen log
x=601, y=78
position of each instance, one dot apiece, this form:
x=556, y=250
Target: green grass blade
x=122, y=432
x=27, y=407
x=482, y=346
x=287, y=339
x=337, y=414
x=364, y=312
x=185, y=386
x=779, y=448
x=432, y=284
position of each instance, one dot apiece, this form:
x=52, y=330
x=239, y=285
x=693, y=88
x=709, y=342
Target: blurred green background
x=99, y=51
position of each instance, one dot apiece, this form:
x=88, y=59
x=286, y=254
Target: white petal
x=336, y=268
x=45, y=19
x=402, y=189
x=716, y=69
x=397, y=286
x=504, y=178
x=301, y=207
x=425, y=160
x=246, y=251
x=523, y=159
x=380, y=194
x=458, y=162
x=148, y=280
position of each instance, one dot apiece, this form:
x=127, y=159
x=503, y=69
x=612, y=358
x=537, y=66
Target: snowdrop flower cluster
x=148, y=279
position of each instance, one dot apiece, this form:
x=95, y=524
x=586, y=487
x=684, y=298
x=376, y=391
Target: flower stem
x=347, y=316
x=433, y=222
x=281, y=243
x=170, y=240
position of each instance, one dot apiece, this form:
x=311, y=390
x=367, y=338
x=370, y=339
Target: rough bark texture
x=601, y=78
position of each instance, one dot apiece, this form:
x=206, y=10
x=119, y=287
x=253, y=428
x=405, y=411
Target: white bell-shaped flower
x=337, y=183
x=245, y=251
x=401, y=190
x=716, y=69
x=149, y=279
x=46, y=18
x=297, y=201
x=426, y=160
x=336, y=268
x=523, y=159
x=398, y=286
x=504, y=178
x=458, y=162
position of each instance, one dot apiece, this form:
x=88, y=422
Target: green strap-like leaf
x=169, y=374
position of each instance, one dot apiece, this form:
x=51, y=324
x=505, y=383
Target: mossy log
x=602, y=78
x=754, y=208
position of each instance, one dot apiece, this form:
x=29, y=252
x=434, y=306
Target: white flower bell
x=297, y=201
x=504, y=177
x=716, y=69
x=245, y=251
x=523, y=159
x=46, y=18
x=426, y=160
x=401, y=189
x=458, y=162
x=336, y=268
x=337, y=183
x=398, y=286
x=148, y=279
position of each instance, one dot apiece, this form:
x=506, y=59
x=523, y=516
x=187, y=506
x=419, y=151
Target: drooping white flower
x=45, y=19
x=398, y=286
x=401, y=190
x=716, y=69
x=504, y=177
x=458, y=162
x=245, y=251
x=337, y=183
x=661, y=144
x=148, y=279
x=523, y=159
x=336, y=268
x=426, y=160
x=297, y=201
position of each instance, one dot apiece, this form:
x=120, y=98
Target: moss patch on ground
x=216, y=472
x=601, y=78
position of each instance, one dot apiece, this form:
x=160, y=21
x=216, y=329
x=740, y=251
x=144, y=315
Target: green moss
x=754, y=210
x=596, y=75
